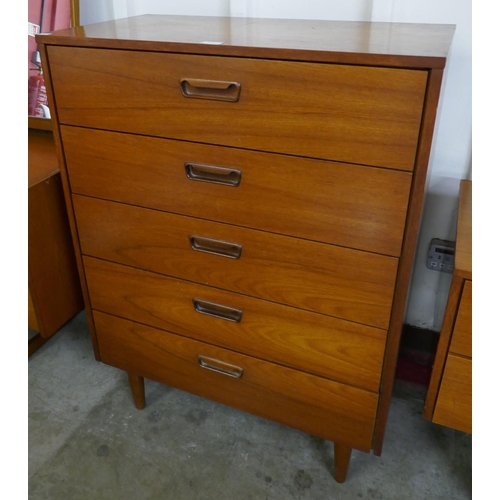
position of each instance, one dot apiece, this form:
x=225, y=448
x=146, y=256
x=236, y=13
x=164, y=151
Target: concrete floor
x=87, y=441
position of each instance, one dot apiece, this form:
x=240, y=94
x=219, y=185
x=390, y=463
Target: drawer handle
x=211, y=173
x=220, y=367
x=216, y=247
x=210, y=89
x=217, y=310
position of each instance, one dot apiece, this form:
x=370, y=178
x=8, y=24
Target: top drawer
x=364, y=115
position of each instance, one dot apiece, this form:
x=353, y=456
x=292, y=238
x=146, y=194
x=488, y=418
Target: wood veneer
x=330, y=128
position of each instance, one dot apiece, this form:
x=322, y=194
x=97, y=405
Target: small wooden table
x=449, y=399
x=54, y=292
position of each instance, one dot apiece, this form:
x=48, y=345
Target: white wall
x=451, y=157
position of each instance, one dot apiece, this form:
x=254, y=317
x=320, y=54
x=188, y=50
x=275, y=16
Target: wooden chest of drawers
x=245, y=197
x=449, y=398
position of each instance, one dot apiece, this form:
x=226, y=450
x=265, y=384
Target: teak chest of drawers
x=245, y=197
x=449, y=398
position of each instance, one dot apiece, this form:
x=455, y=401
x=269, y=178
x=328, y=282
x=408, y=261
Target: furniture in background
x=244, y=196
x=449, y=398
x=47, y=16
x=54, y=291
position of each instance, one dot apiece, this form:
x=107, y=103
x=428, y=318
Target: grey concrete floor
x=88, y=441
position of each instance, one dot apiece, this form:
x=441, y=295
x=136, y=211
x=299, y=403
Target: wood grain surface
x=52, y=273
x=42, y=157
x=386, y=44
x=348, y=205
x=312, y=404
x=463, y=253
x=332, y=280
x=304, y=109
x=32, y=321
x=325, y=346
x=454, y=402
x=461, y=342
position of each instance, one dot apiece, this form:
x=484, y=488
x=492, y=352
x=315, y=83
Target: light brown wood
x=68, y=200
x=364, y=43
x=369, y=108
x=52, y=275
x=461, y=342
x=318, y=344
x=454, y=402
x=39, y=123
x=443, y=345
x=407, y=256
x=340, y=282
x=327, y=113
x=312, y=404
x=463, y=253
x=330, y=202
x=449, y=398
x=42, y=158
x=342, y=457
x=137, y=387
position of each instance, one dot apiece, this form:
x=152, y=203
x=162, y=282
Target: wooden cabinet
x=54, y=291
x=245, y=197
x=449, y=398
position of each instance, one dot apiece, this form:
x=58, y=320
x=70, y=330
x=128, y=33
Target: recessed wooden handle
x=217, y=310
x=212, y=173
x=210, y=89
x=220, y=367
x=216, y=247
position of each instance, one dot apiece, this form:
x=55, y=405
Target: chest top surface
x=365, y=43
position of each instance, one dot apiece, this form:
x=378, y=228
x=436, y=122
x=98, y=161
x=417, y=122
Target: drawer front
x=355, y=114
x=341, y=350
x=348, y=205
x=461, y=342
x=312, y=404
x=454, y=402
x=341, y=282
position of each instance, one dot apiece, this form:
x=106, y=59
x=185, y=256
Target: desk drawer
x=337, y=281
x=348, y=205
x=461, y=341
x=312, y=404
x=355, y=114
x=315, y=343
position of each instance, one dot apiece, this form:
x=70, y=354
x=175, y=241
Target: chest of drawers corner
x=245, y=211
x=449, y=397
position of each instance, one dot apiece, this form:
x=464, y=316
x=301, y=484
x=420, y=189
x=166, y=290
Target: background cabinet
x=449, y=398
x=54, y=292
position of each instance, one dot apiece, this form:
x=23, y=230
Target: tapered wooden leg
x=35, y=343
x=341, y=459
x=137, y=387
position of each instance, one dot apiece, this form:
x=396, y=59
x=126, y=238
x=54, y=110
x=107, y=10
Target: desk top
x=42, y=157
x=463, y=254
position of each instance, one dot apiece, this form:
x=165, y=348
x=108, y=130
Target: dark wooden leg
x=35, y=343
x=137, y=387
x=341, y=459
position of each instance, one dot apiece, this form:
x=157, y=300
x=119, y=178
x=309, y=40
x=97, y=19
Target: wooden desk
x=449, y=399
x=54, y=293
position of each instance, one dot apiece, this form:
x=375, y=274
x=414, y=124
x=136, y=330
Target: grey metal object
x=212, y=173
x=441, y=255
x=219, y=366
